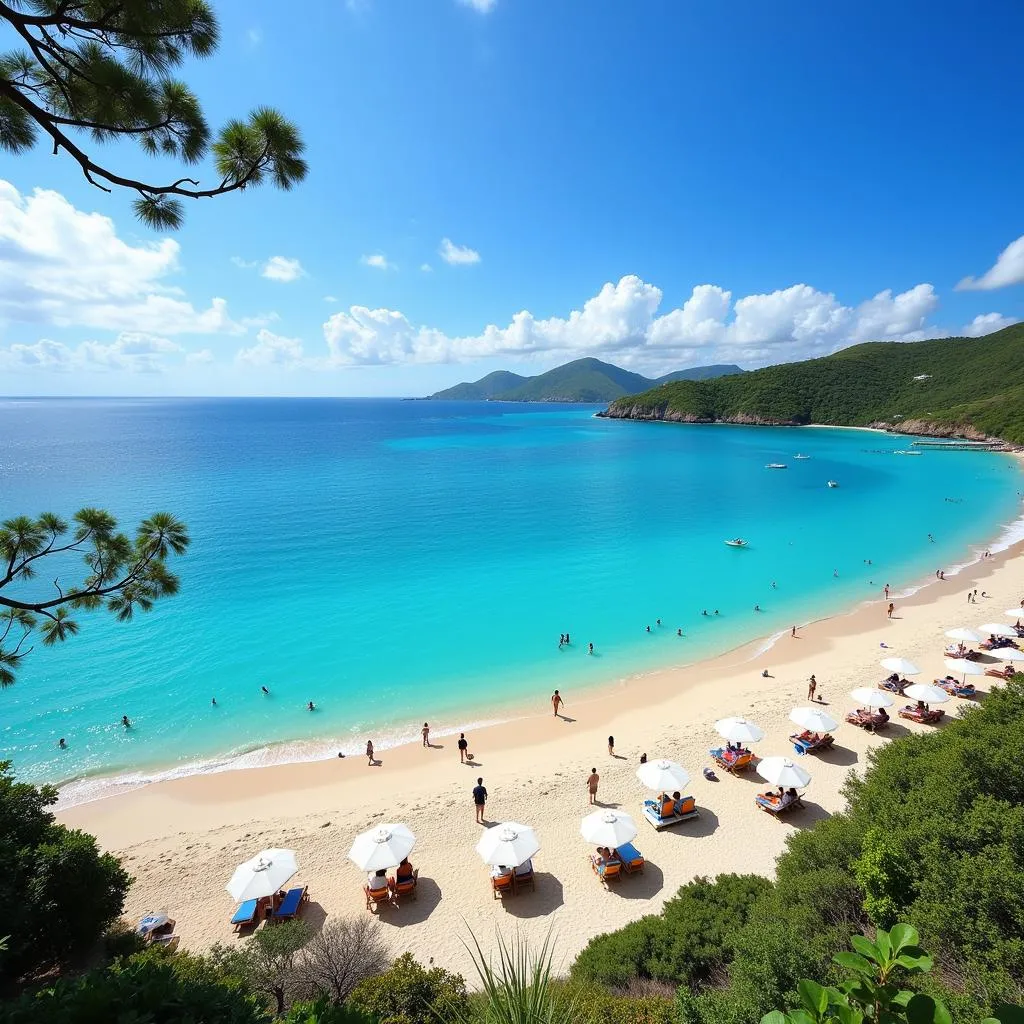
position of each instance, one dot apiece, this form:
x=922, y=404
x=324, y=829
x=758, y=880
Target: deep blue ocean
x=401, y=561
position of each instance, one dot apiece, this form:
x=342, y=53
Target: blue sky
x=658, y=184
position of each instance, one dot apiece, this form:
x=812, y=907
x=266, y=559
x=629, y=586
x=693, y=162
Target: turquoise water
x=401, y=561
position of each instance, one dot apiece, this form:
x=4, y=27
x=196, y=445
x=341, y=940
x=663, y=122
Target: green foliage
x=148, y=988
x=323, y=1011
x=59, y=893
x=582, y=380
x=407, y=993
x=105, y=70
x=933, y=835
x=122, y=940
x=872, y=993
x=594, y=1005
x=687, y=943
x=862, y=385
x=122, y=575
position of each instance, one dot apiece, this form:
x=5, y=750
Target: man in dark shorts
x=463, y=747
x=479, y=799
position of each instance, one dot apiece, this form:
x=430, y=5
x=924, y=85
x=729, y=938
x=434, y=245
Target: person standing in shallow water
x=425, y=731
x=369, y=751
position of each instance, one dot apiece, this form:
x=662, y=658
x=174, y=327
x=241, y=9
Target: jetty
x=953, y=444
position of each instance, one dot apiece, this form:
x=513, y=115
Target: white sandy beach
x=181, y=839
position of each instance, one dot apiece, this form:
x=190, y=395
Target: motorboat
x=775, y=465
x=833, y=483
x=799, y=456
x=902, y=452
x=739, y=542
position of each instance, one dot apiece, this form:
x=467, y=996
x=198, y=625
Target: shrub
x=336, y=959
x=59, y=893
x=408, y=993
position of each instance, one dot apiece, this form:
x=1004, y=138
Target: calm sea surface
x=396, y=562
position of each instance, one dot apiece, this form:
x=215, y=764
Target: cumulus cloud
x=457, y=255
x=377, y=260
x=622, y=321
x=63, y=267
x=1008, y=269
x=130, y=351
x=986, y=323
x=272, y=350
x=426, y=268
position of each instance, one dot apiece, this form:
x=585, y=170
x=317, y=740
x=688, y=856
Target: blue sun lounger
x=289, y=907
x=245, y=915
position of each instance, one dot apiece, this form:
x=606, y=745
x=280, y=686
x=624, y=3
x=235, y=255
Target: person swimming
x=265, y=690
x=757, y=607
x=590, y=648
x=679, y=632
x=648, y=629
x=213, y=701
x=62, y=743
x=311, y=706
x=125, y=721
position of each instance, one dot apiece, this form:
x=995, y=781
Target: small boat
x=775, y=465
x=739, y=542
x=901, y=452
x=799, y=456
x=833, y=483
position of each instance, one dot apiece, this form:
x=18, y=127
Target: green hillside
x=970, y=386
x=582, y=380
x=699, y=373
x=485, y=388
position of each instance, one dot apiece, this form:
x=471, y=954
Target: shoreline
x=102, y=786
x=181, y=839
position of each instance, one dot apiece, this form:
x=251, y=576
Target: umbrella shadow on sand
x=412, y=911
x=805, y=817
x=313, y=915
x=641, y=885
x=842, y=756
x=543, y=899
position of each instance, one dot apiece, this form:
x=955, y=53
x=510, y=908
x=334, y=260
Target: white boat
x=739, y=542
x=775, y=465
x=901, y=452
x=799, y=456
x=833, y=483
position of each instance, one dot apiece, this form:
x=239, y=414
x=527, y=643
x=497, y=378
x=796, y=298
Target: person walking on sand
x=793, y=631
x=892, y=608
x=479, y=800
x=885, y=590
x=369, y=751
x=557, y=703
x=425, y=732
x=812, y=686
x=463, y=747
x=611, y=745
x=592, y=780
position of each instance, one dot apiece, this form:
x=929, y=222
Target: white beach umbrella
x=928, y=692
x=1008, y=654
x=383, y=847
x=608, y=828
x=780, y=771
x=868, y=698
x=968, y=636
x=1014, y=613
x=263, y=875
x=998, y=629
x=813, y=719
x=509, y=844
x=739, y=730
x=900, y=665
x=663, y=776
x=963, y=667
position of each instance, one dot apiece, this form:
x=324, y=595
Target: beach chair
x=247, y=915
x=523, y=876
x=502, y=885
x=805, y=745
x=998, y=673
x=289, y=907
x=894, y=686
x=632, y=859
x=609, y=871
x=773, y=805
x=682, y=810
x=404, y=887
x=377, y=898
x=866, y=720
x=965, y=690
x=734, y=764
x=926, y=716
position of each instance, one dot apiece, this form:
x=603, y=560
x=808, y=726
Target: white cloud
x=64, y=267
x=330, y=298
x=426, y=268
x=131, y=351
x=987, y=323
x=1008, y=269
x=482, y=6
x=457, y=255
x=254, y=36
x=280, y=268
x=272, y=350
x=378, y=261
x=622, y=322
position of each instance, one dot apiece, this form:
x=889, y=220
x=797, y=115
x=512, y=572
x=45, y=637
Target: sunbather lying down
x=780, y=799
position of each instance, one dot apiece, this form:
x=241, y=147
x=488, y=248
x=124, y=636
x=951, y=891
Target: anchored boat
x=739, y=542
x=775, y=465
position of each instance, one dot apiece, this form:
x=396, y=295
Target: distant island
x=952, y=387
x=582, y=380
